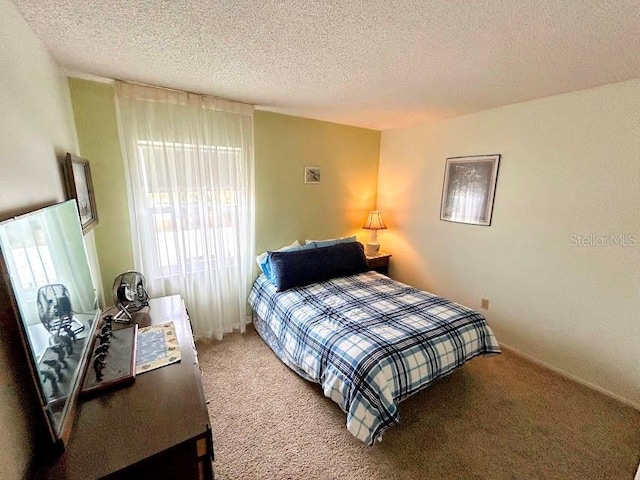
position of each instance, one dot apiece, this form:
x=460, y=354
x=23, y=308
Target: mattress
x=369, y=341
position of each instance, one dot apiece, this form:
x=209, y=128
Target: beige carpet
x=496, y=418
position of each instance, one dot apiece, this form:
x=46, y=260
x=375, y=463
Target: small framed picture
x=312, y=175
x=77, y=176
x=469, y=188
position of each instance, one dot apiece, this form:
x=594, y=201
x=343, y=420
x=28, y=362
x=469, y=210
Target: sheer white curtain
x=190, y=180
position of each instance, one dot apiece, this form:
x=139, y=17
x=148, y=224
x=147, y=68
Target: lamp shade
x=374, y=221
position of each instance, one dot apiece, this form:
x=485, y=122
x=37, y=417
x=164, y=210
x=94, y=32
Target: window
x=190, y=174
x=31, y=257
x=193, y=222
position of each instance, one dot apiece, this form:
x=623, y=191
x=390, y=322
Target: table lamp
x=374, y=223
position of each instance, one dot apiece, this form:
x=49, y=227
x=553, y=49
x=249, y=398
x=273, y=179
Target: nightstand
x=379, y=263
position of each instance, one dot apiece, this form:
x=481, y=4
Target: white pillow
x=260, y=258
x=331, y=241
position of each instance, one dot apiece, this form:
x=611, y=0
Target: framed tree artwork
x=469, y=189
x=77, y=176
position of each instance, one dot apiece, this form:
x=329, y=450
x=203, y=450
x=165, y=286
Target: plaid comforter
x=369, y=341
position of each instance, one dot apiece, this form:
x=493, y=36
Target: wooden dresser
x=156, y=428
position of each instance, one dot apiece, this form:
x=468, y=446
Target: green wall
x=95, y=117
x=286, y=208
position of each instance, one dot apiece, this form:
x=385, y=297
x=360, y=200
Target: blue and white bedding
x=370, y=341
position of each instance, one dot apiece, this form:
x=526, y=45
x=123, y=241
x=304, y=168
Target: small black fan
x=54, y=309
x=129, y=294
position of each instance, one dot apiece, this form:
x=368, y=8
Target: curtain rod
x=183, y=91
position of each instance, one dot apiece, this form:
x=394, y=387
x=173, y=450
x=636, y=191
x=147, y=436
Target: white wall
x=570, y=165
x=36, y=130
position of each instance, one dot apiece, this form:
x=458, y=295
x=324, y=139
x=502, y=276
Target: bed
x=368, y=340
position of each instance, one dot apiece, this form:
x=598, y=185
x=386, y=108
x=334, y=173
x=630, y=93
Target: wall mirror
x=45, y=265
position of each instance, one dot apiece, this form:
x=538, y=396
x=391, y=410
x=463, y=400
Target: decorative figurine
x=103, y=337
x=56, y=366
x=106, y=330
x=99, y=364
x=66, y=341
x=101, y=349
x=47, y=375
x=69, y=331
x=108, y=320
x=60, y=351
x=101, y=358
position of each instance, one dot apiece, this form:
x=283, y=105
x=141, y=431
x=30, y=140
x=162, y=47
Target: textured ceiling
x=371, y=63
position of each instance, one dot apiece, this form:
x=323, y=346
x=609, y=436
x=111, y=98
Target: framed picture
x=312, y=175
x=77, y=176
x=469, y=189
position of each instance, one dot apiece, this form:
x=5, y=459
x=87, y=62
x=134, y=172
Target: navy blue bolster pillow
x=303, y=267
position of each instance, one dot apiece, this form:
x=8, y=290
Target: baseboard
x=576, y=379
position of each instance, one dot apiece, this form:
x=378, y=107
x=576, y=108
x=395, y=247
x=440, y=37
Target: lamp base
x=372, y=249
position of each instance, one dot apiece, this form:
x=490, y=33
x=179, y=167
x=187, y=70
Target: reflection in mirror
x=45, y=257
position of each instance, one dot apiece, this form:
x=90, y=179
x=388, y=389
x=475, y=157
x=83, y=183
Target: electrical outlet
x=484, y=303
